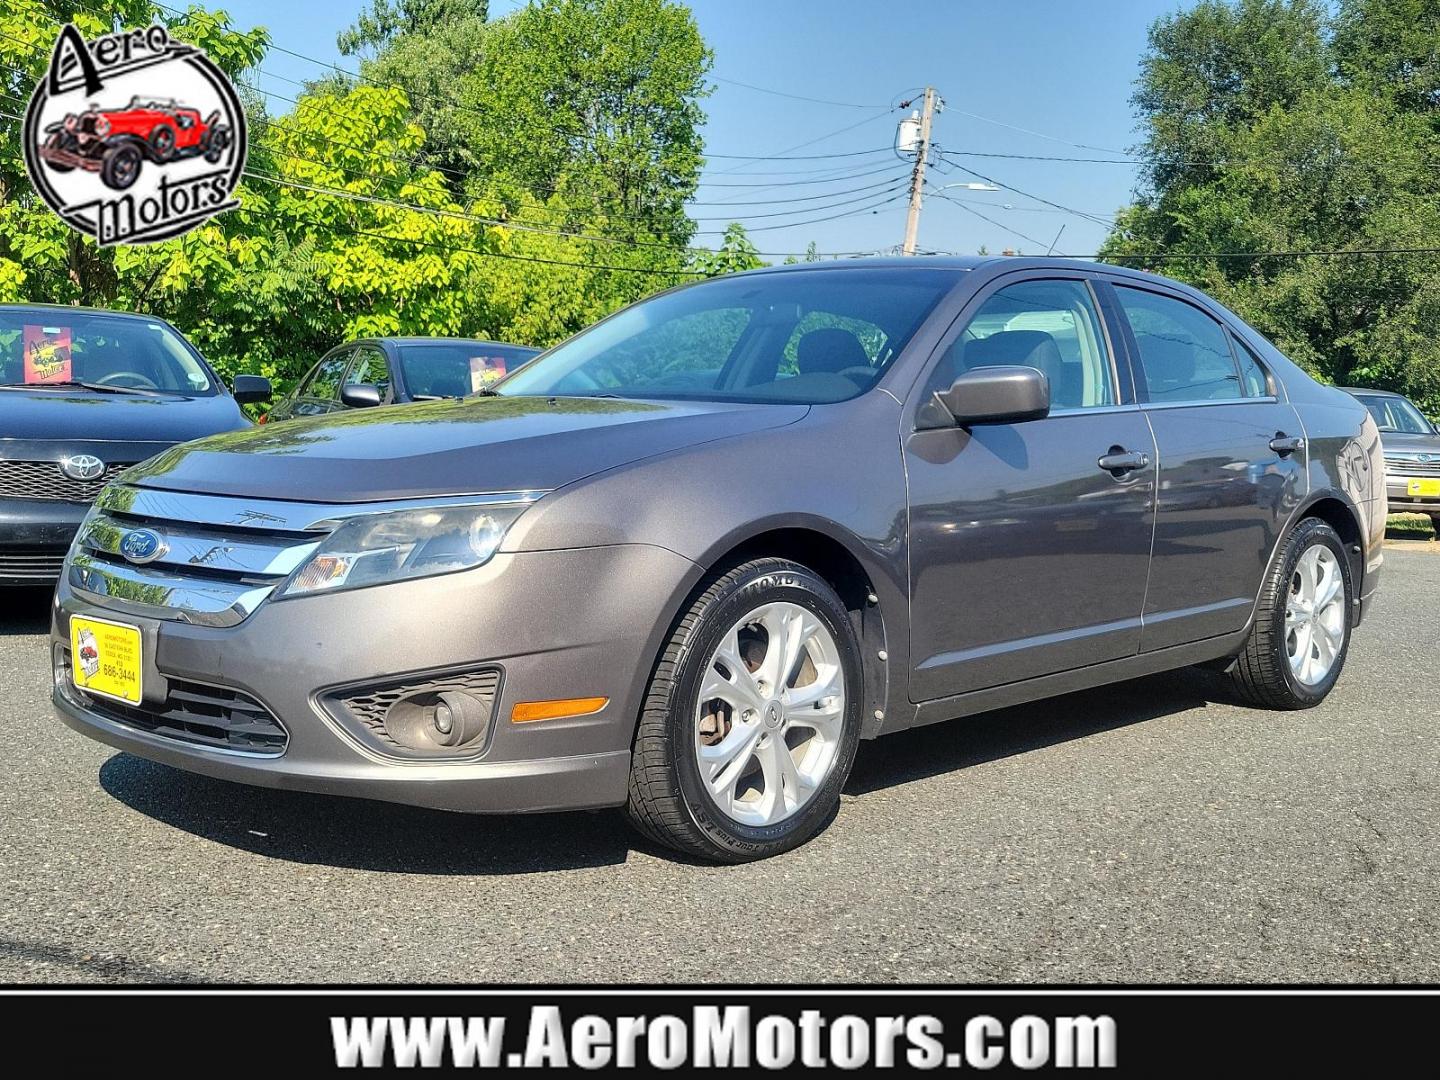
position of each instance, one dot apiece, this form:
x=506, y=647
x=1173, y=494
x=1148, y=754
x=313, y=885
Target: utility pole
x=917, y=178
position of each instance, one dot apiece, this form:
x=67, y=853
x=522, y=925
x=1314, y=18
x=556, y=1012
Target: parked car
x=85, y=394
x=379, y=371
x=1412, y=452
x=116, y=142
x=686, y=561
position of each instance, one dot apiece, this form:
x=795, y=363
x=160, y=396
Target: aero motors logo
x=134, y=138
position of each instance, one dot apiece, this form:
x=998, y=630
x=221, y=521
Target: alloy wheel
x=771, y=714
x=1315, y=615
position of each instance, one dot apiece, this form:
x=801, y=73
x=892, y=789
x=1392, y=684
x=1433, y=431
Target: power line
x=1036, y=134
x=1028, y=195
x=787, y=213
x=982, y=217
x=793, y=97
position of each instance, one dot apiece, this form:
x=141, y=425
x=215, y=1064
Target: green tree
x=385, y=20
x=736, y=252
x=1271, y=128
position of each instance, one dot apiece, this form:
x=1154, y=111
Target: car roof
x=72, y=309
x=422, y=340
x=1374, y=393
x=961, y=263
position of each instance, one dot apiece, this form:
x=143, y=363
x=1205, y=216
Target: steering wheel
x=128, y=378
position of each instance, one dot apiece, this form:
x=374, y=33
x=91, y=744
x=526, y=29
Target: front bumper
x=34, y=536
x=70, y=159
x=583, y=622
x=1397, y=491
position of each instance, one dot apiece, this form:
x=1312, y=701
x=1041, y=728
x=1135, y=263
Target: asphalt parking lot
x=1152, y=831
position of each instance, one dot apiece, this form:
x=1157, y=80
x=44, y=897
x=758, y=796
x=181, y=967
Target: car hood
x=66, y=416
x=1410, y=444
x=448, y=447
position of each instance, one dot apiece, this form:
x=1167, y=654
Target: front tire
x=120, y=166
x=1301, y=635
x=752, y=719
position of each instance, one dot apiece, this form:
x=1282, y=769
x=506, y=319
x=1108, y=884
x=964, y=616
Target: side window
x=1050, y=325
x=1183, y=351
x=1253, y=379
x=325, y=383
x=370, y=367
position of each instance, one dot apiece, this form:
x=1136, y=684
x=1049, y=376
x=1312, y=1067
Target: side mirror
x=360, y=396
x=991, y=395
x=249, y=389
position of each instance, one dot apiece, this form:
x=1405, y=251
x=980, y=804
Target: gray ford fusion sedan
x=688, y=560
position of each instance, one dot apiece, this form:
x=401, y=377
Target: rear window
x=54, y=347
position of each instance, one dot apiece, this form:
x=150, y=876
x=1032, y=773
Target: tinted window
x=370, y=367
x=457, y=368
x=1183, y=351
x=807, y=336
x=1049, y=325
x=1252, y=373
x=324, y=382
x=39, y=347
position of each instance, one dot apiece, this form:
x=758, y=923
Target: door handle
x=1120, y=461
x=1285, y=445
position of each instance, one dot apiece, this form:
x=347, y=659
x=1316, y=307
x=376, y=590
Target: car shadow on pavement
x=958, y=744
x=363, y=835
x=359, y=834
x=24, y=610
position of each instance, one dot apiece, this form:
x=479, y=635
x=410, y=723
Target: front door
x=1029, y=542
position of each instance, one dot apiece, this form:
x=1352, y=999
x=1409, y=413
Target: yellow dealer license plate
x=105, y=658
x=1425, y=489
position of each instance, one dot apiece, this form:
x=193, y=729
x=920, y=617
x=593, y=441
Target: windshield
x=457, y=368
x=1397, y=415
x=804, y=336
x=39, y=348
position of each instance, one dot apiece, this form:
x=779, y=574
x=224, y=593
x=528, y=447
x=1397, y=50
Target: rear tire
x=162, y=142
x=1301, y=634
x=707, y=776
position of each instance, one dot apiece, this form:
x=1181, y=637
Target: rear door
x=1231, y=465
x=1027, y=556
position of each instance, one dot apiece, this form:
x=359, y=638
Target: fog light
x=435, y=721
x=444, y=719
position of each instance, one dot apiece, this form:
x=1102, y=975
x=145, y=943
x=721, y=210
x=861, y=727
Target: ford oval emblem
x=142, y=546
x=82, y=467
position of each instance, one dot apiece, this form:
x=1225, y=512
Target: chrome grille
x=24, y=565
x=1403, y=467
x=220, y=557
x=44, y=480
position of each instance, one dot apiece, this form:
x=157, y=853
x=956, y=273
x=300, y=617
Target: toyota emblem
x=82, y=467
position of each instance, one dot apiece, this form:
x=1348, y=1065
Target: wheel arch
x=840, y=561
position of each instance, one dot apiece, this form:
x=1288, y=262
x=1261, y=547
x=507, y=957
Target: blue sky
x=1060, y=69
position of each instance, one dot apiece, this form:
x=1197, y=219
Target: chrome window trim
x=1210, y=403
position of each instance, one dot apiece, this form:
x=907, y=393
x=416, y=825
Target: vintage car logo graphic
x=133, y=138
x=89, y=654
x=142, y=546
x=82, y=467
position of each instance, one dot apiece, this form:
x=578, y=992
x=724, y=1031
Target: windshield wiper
x=101, y=388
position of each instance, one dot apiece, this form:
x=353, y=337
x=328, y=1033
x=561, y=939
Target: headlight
x=102, y=126
x=398, y=545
